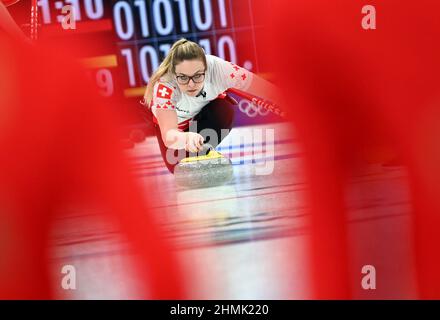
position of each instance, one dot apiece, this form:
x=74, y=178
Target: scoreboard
x=132, y=37
x=122, y=42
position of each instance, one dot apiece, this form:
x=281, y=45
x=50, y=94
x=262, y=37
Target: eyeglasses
x=197, y=78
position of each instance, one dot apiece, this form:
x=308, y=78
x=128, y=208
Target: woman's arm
x=172, y=137
x=232, y=76
x=167, y=120
x=264, y=89
x=8, y=24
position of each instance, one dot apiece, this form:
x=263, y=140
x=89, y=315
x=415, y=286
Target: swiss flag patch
x=164, y=92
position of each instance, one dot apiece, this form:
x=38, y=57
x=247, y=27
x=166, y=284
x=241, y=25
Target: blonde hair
x=181, y=50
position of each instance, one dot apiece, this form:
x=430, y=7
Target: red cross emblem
x=164, y=92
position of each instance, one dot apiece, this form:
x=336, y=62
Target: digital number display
x=141, y=33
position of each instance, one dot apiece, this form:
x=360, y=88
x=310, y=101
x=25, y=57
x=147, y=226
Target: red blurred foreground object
x=58, y=145
x=350, y=89
x=9, y=2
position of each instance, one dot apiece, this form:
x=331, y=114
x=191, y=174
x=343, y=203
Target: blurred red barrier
x=350, y=89
x=59, y=144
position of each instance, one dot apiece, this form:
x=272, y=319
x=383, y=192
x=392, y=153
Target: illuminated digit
x=120, y=8
x=223, y=42
x=183, y=16
x=130, y=68
x=206, y=44
x=198, y=14
x=104, y=80
x=75, y=5
x=94, y=9
x=44, y=5
x=148, y=51
x=164, y=48
x=222, y=10
x=143, y=16
x=163, y=29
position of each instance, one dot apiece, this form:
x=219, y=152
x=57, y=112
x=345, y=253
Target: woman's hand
x=194, y=142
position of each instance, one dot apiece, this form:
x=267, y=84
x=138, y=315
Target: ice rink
x=246, y=239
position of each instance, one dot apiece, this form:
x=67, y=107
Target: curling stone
x=210, y=169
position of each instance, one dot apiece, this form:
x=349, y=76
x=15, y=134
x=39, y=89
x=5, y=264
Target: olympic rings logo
x=252, y=109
